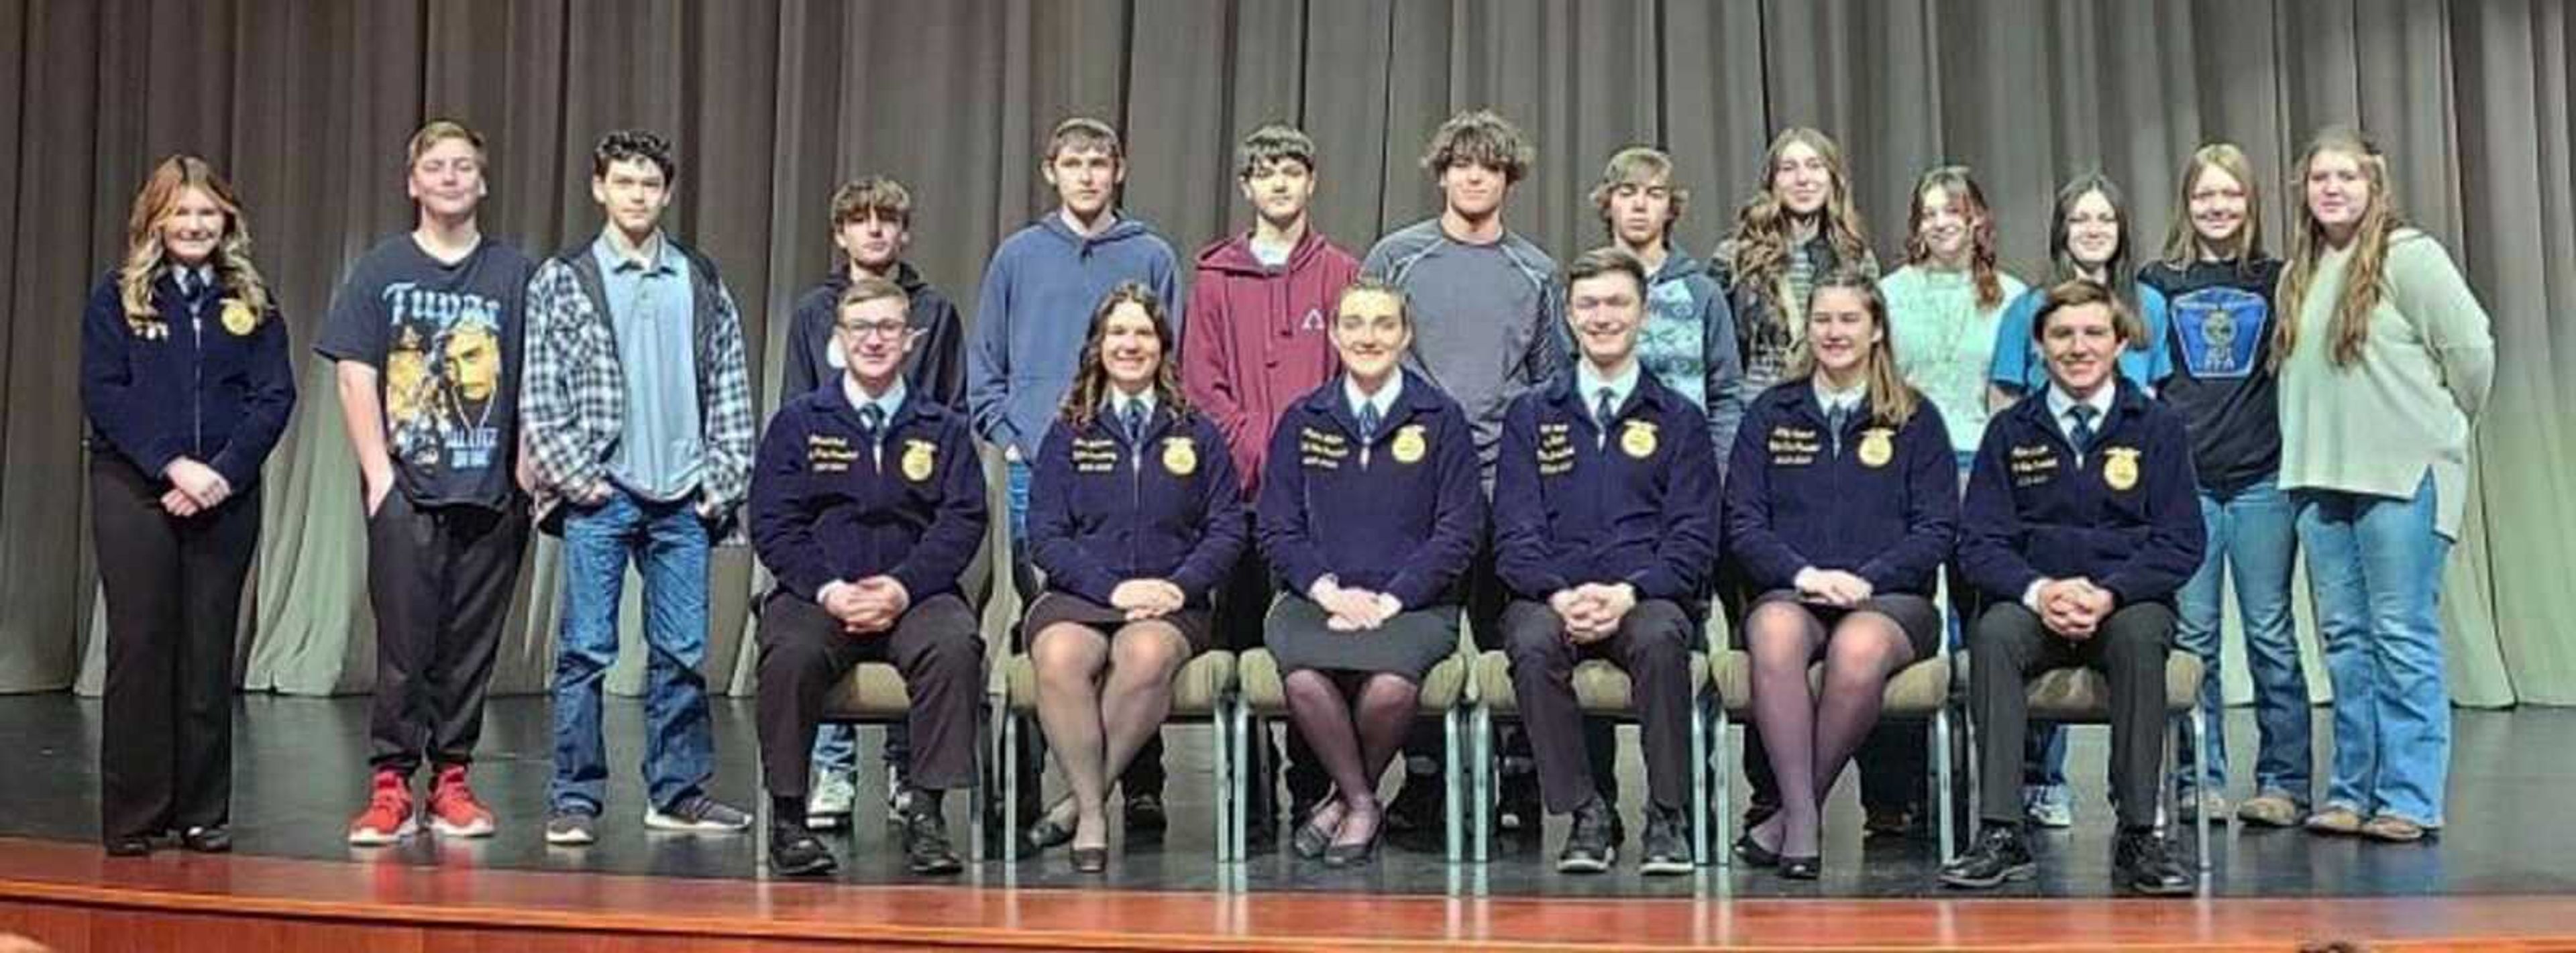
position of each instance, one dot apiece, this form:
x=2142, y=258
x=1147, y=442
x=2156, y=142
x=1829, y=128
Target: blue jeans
x=2375, y=570
x=2253, y=537
x=668, y=544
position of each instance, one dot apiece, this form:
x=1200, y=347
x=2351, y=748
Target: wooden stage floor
x=75, y=900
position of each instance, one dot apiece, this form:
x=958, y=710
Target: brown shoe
x=2269, y=810
x=2392, y=829
x=2340, y=821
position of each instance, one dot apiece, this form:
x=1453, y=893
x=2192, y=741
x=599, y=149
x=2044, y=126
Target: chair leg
x=1723, y=819
x=1246, y=730
x=1449, y=778
x=760, y=821
x=978, y=796
x=1699, y=780
x=2200, y=781
x=1941, y=792
x=1221, y=778
x=1010, y=790
x=1480, y=775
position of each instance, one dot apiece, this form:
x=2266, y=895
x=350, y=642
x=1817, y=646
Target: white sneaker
x=827, y=806
x=2048, y=805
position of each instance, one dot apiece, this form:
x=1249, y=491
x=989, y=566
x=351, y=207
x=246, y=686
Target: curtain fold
x=306, y=104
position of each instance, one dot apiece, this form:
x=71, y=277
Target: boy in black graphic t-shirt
x=425, y=336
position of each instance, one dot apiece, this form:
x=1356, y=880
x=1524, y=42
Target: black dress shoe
x=1801, y=868
x=207, y=840
x=1044, y=834
x=1752, y=853
x=1354, y=855
x=794, y=851
x=1145, y=814
x=1090, y=860
x=925, y=845
x=129, y=846
x=1310, y=841
x=2140, y=862
x=1999, y=855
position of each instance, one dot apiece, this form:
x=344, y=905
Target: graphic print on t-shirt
x=2220, y=329
x=1669, y=345
x=442, y=378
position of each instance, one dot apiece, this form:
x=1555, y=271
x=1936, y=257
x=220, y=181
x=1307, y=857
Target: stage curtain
x=771, y=102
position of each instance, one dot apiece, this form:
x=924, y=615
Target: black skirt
x=1408, y=645
x=1056, y=605
x=1917, y=616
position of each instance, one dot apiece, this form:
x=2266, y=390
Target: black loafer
x=1753, y=853
x=1145, y=815
x=207, y=840
x=1802, y=868
x=1090, y=860
x=1044, y=834
x=135, y=846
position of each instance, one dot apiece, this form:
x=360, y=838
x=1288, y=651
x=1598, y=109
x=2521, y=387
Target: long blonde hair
x=1960, y=187
x=143, y=251
x=1891, y=400
x=2182, y=241
x=2363, y=276
x=1759, y=249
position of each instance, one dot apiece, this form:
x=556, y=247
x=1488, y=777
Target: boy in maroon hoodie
x=1259, y=304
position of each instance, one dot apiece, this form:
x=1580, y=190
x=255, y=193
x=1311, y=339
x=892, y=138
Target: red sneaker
x=388, y=818
x=454, y=811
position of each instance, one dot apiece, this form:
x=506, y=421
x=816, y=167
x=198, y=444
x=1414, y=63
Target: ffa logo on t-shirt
x=1180, y=455
x=1877, y=446
x=1409, y=444
x=1638, y=440
x=918, y=460
x=1314, y=320
x=239, y=318
x=2120, y=467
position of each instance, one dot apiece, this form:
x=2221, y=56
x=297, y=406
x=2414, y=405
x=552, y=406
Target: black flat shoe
x=207, y=840
x=1044, y=834
x=1753, y=853
x=129, y=846
x=1353, y=855
x=1090, y=860
x=1310, y=841
x=1802, y=868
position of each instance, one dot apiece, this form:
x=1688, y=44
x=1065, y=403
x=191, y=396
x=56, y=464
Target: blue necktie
x=1133, y=418
x=1368, y=424
x=2082, y=433
x=1603, y=413
x=1834, y=421
x=871, y=418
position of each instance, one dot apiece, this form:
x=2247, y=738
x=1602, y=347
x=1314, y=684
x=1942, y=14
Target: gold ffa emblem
x=1638, y=439
x=1409, y=444
x=1877, y=446
x=1180, y=456
x=918, y=460
x=239, y=318
x=2120, y=467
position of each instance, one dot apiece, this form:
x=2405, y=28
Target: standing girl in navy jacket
x=185, y=382
x=1371, y=504
x=1844, y=502
x=1134, y=516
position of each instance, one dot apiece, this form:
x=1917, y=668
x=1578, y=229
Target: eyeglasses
x=876, y=329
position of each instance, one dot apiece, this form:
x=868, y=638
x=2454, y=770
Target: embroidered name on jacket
x=1794, y=446
x=1094, y=455
x=825, y=453
x=1321, y=449
x=1555, y=449
x=2032, y=466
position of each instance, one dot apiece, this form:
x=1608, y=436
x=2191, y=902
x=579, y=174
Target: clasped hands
x=194, y=488
x=868, y=606
x=1145, y=599
x=1832, y=587
x=1593, y=610
x=2073, y=608
x=1352, y=609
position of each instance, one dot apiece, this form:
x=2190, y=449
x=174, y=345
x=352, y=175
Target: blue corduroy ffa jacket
x=1635, y=502
x=1401, y=514
x=1103, y=511
x=202, y=378
x=1881, y=504
x=828, y=506
x=2126, y=515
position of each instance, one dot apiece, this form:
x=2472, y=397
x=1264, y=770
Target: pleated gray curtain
x=772, y=102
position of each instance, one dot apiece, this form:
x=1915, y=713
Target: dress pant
x=174, y=589
x=805, y=655
x=1652, y=644
x=439, y=579
x=2129, y=648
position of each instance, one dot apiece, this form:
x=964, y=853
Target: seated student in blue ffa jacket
x=1134, y=517
x=2081, y=522
x=867, y=501
x=1843, y=502
x=1370, y=507
x=1605, y=510
x=186, y=384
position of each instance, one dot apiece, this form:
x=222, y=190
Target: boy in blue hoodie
x=1039, y=292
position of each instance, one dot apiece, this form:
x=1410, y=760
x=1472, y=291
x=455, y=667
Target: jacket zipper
x=197, y=381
